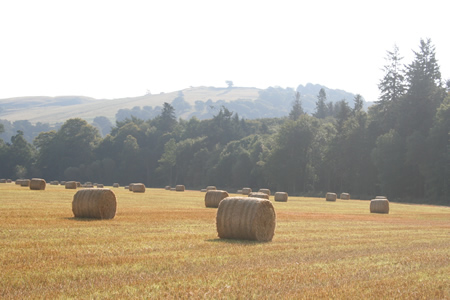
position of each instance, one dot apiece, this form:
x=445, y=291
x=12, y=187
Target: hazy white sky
x=114, y=49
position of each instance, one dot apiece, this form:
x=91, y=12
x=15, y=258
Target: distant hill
x=201, y=102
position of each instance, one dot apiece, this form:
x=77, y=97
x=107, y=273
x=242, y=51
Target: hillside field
x=164, y=245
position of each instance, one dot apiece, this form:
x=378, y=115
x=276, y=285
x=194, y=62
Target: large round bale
x=71, y=185
x=180, y=188
x=281, y=196
x=246, y=191
x=265, y=191
x=25, y=182
x=345, y=196
x=211, y=188
x=380, y=206
x=138, y=188
x=213, y=198
x=259, y=195
x=246, y=218
x=94, y=203
x=331, y=197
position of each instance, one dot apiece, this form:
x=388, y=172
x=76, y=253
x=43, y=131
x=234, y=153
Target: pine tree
x=321, y=106
x=297, y=109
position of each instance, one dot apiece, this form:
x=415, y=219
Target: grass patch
x=163, y=244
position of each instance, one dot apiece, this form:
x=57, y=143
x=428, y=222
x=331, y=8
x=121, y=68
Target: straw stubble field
x=164, y=244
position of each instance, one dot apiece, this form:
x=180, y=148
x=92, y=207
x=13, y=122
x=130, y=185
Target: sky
x=114, y=49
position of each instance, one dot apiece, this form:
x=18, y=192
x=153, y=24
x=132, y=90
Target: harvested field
x=164, y=245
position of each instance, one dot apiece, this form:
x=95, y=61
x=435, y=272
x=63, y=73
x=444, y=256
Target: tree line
x=400, y=147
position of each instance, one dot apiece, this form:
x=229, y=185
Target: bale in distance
x=259, y=195
x=71, y=185
x=239, y=192
x=100, y=185
x=380, y=206
x=54, y=182
x=345, y=196
x=130, y=187
x=63, y=183
x=331, y=197
x=25, y=182
x=213, y=198
x=18, y=181
x=380, y=197
x=203, y=190
x=138, y=188
x=116, y=185
x=246, y=218
x=211, y=188
x=180, y=188
x=265, y=191
x=94, y=203
x=8, y=180
x=167, y=187
x=246, y=191
x=281, y=196
x=2, y=180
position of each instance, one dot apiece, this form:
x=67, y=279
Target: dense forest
x=399, y=147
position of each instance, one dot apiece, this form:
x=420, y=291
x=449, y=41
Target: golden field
x=163, y=245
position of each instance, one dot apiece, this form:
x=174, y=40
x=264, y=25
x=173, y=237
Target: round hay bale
x=380, y=206
x=246, y=191
x=71, y=185
x=180, y=188
x=130, y=187
x=99, y=185
x=2, y=180
x=345, y=196
x=8, y=180
x=116, y=185
x=138, y=188
x=259, y=195
x=78, y=184
x=94, y=203
x=63, y=183
x=281, y=197
x=167, y=187
x=331, y=197
x=211, y=188
x=25, y=182
x=265, y=191
x=246, y=218
x=213, y=198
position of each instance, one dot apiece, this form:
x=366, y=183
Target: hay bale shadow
x=235, y=241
